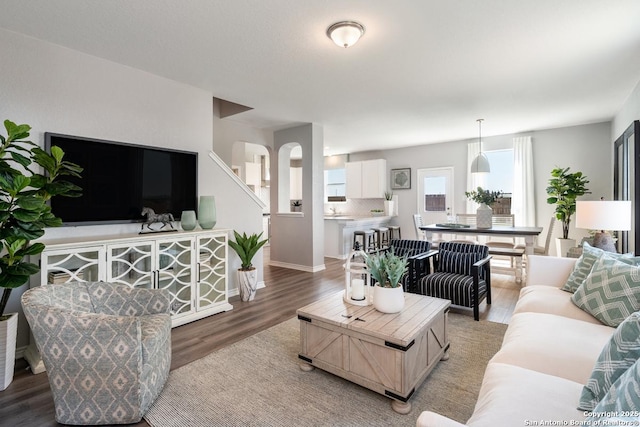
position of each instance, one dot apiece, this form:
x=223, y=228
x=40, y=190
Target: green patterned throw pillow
x=617, y=356
x=611, y=292
x=622, y=401
x=584, y=265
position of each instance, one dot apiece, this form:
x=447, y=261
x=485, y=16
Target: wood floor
x=27, y=401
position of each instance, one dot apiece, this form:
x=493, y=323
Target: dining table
x=528, y=233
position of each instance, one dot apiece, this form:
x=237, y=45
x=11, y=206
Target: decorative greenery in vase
x=24, y=192
x=564, y=187
x=388, y=195
x=246, y=247
x=483, y=197
x=386, y=268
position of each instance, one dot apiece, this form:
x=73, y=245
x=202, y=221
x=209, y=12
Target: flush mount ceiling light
x=345, y=33
x=481, y=163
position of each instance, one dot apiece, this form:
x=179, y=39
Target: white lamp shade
x=480, y=164
x=614, y=215
x=346, y=33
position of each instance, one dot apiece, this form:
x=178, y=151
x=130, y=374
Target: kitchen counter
x=338, y=232
x=357, y=217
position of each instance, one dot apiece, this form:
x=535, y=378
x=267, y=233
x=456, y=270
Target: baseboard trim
x=20, y=352
x=308, y=269
x=234, y=292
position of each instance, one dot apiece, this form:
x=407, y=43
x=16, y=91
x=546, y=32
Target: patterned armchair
x=106, y=348
x=462, y=275
x=418, y=253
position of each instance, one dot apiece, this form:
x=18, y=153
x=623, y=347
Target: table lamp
x=603, y=215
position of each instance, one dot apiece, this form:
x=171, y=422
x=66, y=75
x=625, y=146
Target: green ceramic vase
x=207, y=212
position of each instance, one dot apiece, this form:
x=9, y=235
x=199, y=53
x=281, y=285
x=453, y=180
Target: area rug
x=257, y=382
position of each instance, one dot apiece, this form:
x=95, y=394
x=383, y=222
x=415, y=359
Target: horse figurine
x=152, y=218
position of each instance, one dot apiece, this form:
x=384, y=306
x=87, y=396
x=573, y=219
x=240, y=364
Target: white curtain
x=523, y=198
x=474, y=180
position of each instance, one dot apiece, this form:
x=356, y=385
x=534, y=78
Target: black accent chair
x=419, y=254
x=462, y=275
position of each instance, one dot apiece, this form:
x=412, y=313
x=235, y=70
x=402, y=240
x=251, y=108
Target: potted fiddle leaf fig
x=563, y=190
x=246, y=247
x=387, y=270
x=24, y=215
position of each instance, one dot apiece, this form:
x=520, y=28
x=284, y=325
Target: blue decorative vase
x=188, y=220
x=207, y=212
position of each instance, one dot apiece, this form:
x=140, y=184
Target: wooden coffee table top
x=399, y=328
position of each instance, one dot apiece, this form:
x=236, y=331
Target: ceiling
x=424, y=71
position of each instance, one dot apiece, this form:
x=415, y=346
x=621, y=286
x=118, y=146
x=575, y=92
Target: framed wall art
x=401, y=179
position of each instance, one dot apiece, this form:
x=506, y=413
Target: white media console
x=191, y=265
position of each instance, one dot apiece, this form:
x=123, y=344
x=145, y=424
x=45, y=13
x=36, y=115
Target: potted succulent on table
x=387, y=269
x=24, y=215
x=484, y=198
x=246, y=247
x=563, y=190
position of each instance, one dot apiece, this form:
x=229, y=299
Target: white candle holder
x=357, y=289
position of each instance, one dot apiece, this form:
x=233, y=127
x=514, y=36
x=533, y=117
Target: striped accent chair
x=418, y=252
x=462, y=275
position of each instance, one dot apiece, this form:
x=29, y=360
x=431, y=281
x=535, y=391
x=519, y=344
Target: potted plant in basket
x=387, y=269
x=484, y=198
x=563, y=190
x=24, y=215
x=246, y=247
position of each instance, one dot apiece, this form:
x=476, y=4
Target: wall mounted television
x=119, y=179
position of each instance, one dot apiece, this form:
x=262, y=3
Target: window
x=501, y=178
x=435, y=194
x=335, y=185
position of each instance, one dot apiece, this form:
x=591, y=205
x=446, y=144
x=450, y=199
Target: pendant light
x=481, y=163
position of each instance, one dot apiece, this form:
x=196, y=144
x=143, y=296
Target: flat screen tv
x=119, y=179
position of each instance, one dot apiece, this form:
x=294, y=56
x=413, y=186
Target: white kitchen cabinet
x=192, y=266
x=253, y=176
x=366, y=179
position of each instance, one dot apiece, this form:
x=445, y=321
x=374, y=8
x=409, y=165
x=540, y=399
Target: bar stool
x=365, y=240
x=394, y=232
x=382, y=237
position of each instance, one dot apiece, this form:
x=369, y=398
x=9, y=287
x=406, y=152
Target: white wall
x=227, y=131
x=582, y=148
x=55, y=89
x=629, y=112
x=297, y=240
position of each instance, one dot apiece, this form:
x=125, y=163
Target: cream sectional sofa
x=547, y=355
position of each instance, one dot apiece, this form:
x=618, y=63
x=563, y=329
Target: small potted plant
x=387, y=269
x=484, y=198
x=388, y=203
x=246, y=247
x=563, y=190
x=296, y=206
